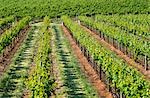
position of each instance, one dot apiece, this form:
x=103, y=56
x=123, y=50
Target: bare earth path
x=6, y=60
x=93, y=77
x=12, y=82
x=72, y=82
x=120, y=54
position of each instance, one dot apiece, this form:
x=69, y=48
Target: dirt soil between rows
x=120, y=54
x=5, y=61
x=86, y=67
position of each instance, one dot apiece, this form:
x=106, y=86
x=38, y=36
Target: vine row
x=40, y=81
x=7, y=37
x=137, y=49
x=128, y=80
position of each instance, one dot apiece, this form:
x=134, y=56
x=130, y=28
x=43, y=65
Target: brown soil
x=86, y=67
x=26, y=94
x=120, y=54
x=6, y=60
x=1, y=31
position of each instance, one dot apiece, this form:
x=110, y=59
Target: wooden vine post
x=146, y=62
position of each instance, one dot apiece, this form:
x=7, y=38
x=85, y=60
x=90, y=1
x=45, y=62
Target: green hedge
x=53, y=8
x=127, y=79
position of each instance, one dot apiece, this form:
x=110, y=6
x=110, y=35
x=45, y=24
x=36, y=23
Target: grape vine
x=128, y=80
x=7, y=37
x=40, y=81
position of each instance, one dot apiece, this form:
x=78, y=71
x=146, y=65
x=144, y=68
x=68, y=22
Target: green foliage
x=54, y=8
x=7, y=37
x=128, y=80
x=136, y=45
x=40, y=81
x=46, y=21
x=136, y=24
x=6, y=20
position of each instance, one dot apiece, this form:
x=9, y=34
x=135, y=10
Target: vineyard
x=67, y=49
